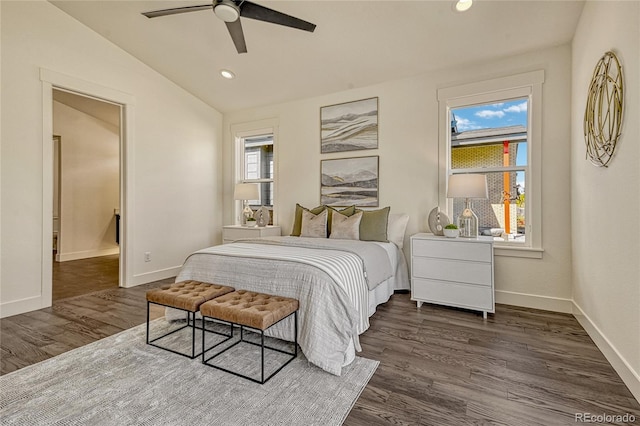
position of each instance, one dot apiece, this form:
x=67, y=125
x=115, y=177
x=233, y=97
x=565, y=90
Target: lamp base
x=246, y=214
x=468, y=221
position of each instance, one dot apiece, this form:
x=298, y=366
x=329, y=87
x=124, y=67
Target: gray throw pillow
x=297, y=218
x=314, y=225
x=346, y=227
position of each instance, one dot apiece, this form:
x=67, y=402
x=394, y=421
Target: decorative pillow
x=347, y=211
x=346, y=227
x=297, y=221
x=373, y=226
x=314, y=225
x=396, y=227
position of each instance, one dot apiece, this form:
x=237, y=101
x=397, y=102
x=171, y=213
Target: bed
x=339, y=284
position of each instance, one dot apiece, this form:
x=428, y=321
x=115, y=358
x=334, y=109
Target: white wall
x=606, y=262
x=173, y=152
x=90, y=183
x=408, y=150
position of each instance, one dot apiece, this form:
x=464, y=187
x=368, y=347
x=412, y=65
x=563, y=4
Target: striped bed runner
x=345, y=268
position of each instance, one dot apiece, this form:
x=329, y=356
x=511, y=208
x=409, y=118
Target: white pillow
x=345, y=227
x=396, y=226
x=314, y=225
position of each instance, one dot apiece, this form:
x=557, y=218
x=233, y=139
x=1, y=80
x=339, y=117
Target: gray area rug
x=120, y=380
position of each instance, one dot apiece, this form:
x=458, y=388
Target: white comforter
x=331, y=285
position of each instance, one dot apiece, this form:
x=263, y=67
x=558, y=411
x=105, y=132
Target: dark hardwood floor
x=83, y=276
x=438, y=366
x=444, y=366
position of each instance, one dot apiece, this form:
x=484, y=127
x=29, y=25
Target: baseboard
x=554, y=304
x=86, y=254
x=21, y=306
x=626, y=372
x=149, y=277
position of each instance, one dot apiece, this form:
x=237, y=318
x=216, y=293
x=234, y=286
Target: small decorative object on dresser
x=251, y=222
x=451, y=231
x=246, y=192
x=453, y=272
x=262, y=216
x=437, y=221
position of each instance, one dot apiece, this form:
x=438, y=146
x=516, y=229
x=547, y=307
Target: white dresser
x=232, y=233
x=453, y=271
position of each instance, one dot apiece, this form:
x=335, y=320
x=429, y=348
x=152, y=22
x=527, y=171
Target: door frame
x=50, y=80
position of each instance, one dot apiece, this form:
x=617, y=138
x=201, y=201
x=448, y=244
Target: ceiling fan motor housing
x=226, y=10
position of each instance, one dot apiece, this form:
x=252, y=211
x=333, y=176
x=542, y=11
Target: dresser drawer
x=455, y=249
x=476, y=273
x=453, y=294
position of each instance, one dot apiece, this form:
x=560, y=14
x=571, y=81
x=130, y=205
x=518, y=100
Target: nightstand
x=453, y=271
x=232, y=233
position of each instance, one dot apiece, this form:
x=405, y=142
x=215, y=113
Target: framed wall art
x=349, y=181
x=349, y=126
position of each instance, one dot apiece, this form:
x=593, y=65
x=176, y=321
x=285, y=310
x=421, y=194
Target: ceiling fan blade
x=176, y=10
x=255, y=11
x=237, y=35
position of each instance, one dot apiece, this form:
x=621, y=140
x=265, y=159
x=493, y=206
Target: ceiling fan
x=230, y=12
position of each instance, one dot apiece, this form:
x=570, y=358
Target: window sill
x=525, y=252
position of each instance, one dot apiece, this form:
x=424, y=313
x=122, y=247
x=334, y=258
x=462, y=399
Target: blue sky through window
x=502, y=114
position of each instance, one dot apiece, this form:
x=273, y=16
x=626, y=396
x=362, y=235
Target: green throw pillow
x=373, y=226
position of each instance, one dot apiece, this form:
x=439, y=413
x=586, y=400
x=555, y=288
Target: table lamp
x=246, y=192
x=467, y=186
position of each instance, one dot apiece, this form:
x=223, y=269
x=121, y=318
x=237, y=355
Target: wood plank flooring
x=32, y=337
x=438, y=366
x=76, y=277
x=444, y=366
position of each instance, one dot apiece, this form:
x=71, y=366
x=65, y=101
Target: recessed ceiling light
x=227, y=74
x=463, y=5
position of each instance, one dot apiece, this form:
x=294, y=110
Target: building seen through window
x=258, y=168
x=491, y=139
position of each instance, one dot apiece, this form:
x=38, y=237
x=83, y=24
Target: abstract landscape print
x=350, y=126
x=349, y=181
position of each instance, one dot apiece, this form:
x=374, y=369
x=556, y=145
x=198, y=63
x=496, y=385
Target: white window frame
x=526, y=85
x=239, y=132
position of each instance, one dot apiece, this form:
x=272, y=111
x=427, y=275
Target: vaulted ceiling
x=355, y=44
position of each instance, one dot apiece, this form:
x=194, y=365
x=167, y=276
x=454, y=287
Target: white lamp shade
x=246, y=191
x=467, y=186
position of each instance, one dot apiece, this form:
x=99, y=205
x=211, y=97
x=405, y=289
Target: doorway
x=86, y=194
x=54, y=80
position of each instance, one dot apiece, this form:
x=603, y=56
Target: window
x=491, y=139
x=255, y=163
x=258, y=168
x=493, y=128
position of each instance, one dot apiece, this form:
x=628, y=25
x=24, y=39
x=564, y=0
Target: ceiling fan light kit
x=227, y=11
x=230, y=12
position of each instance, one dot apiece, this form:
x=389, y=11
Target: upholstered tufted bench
x=257, y=311
x=186, y=296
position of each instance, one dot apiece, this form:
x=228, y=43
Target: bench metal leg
x=191, y=323
x=262, y=345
